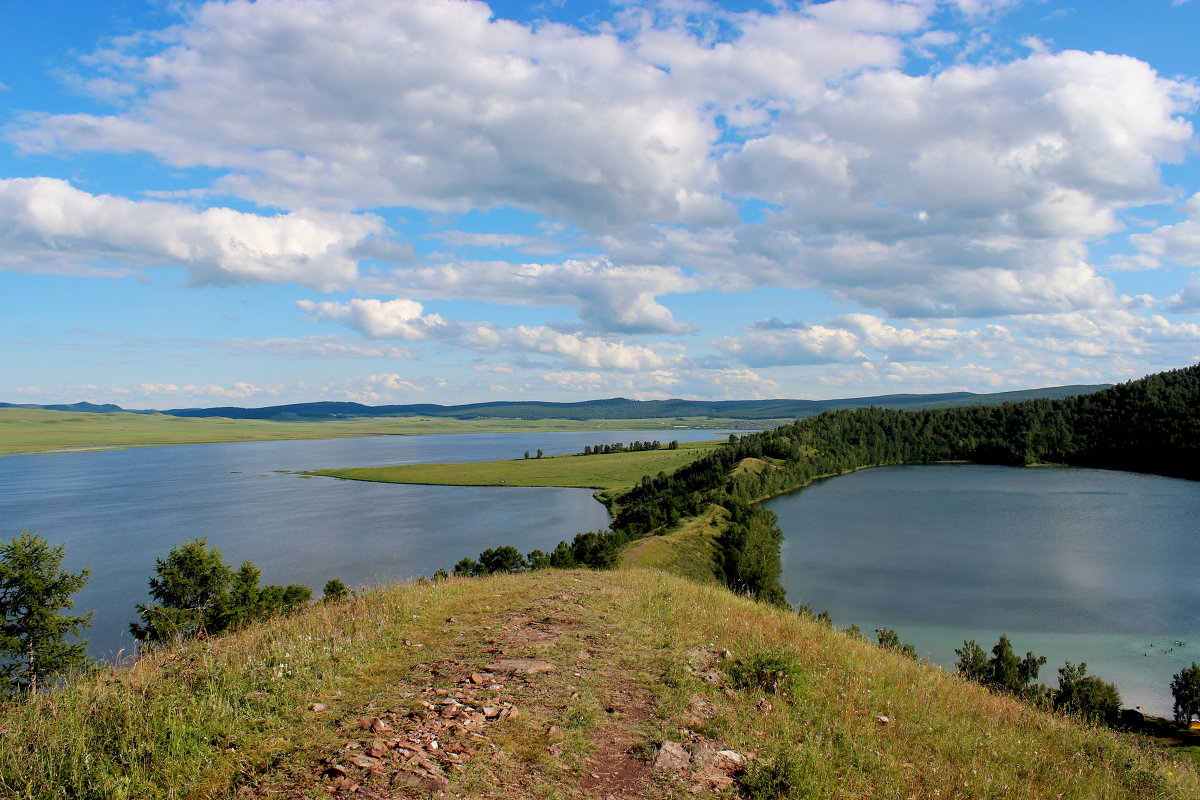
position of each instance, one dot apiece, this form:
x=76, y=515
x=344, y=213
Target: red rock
x=672, y=756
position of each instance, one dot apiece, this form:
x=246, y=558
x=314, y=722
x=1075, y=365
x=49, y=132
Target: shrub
x=772, y=669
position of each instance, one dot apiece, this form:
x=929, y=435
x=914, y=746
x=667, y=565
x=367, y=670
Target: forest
x=1149, y=425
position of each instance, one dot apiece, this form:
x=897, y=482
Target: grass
x=611, y=471
x=39, y=431
x=689, y=551
x=213, y=719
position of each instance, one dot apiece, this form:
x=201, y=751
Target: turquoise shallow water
x=1073, y=564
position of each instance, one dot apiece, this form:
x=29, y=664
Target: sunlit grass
x=201, y=720
x=609, y=471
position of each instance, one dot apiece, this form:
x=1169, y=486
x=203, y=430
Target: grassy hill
x=556, y=684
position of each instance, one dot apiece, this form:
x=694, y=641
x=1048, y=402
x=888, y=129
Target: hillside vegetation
x=1149, y=425
x=555, y=684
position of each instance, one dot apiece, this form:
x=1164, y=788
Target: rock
x=318, y=707
x=522, y=666
x=421, y=780
x=374, y=724
x=672, y=756
x=764, y=706
x=477, y=679
x=555, y=733
x=882, y=720
x=699, y=710
x=698, y=657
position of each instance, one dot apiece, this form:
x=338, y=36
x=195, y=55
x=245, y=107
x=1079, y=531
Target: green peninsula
x=606, y=471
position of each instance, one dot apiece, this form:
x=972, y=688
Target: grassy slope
x=33, y=430
x=689, y=551
x=611, y=471
x=234, y=717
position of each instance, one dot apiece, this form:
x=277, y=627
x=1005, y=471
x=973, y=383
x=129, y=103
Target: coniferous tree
x=191, y=582
x=34, y=590
x=1185, y=688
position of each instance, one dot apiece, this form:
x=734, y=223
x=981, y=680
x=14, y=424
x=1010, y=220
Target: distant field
x=36, y=431
x=612, y=471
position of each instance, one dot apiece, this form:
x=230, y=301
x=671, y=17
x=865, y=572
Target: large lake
x=118, y=510
x=1074, y=564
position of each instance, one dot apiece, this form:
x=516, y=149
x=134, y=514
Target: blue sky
x=448, y=201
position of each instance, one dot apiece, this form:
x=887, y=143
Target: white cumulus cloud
x=404, y=319
x=48, y=225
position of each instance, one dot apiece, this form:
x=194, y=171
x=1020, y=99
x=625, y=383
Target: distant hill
x=106, y=408
x=612, y=408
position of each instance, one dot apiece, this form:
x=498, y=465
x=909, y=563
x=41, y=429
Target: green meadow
x=610, y=471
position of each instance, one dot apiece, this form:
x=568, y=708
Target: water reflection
x=1105, y=561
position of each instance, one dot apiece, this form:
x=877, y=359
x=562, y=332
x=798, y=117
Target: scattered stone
x=672, y=756
x=318, y=707
x=882, y=720
x=699, y=710
x=374, y=724
x=764, y=706
x=522, y=666
x=725, y=654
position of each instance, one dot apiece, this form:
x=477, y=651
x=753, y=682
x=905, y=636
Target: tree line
x=197, y=594
x=1148, y=425
x=621, y=447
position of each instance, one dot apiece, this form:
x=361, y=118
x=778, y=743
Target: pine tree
x=34, y=589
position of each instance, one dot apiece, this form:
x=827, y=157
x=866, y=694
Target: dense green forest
x=1148, y=425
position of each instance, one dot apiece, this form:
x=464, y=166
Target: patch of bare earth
x=436, y=724
x=548, y=703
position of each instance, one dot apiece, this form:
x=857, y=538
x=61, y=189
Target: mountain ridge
x=608, y=408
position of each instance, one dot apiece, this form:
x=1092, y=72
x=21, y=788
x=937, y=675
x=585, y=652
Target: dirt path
x=543, y=700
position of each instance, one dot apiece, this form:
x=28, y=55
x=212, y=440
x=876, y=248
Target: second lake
x=1074, y=564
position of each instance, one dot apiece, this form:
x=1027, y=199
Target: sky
x=446, y=201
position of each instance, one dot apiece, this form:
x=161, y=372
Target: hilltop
x=629, y=682
x=566, y=684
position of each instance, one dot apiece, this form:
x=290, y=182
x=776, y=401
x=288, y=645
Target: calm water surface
x=1074, y=564
x=118, y=510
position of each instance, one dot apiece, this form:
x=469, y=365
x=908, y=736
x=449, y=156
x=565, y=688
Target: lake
x=119, y=510
x=1074, y=564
